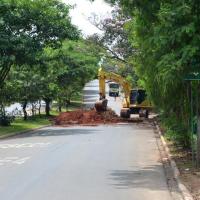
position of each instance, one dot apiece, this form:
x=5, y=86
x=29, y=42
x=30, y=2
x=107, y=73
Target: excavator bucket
x=101, y=105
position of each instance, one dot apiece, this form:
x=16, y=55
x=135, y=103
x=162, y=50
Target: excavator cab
x=139, y=103
x=137, y=96
x=133, y=96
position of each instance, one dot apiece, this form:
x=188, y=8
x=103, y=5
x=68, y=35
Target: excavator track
x=125, y=113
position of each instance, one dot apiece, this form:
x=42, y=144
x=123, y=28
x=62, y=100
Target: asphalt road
x=107, y=162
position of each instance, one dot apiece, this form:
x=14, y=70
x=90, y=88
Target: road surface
x=107, y=162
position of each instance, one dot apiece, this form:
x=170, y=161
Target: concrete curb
x=22, y=132
x=184, y=191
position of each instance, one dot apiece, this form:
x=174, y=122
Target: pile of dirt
x=87, y=117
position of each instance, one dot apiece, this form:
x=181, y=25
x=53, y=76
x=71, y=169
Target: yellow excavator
x=135, y=100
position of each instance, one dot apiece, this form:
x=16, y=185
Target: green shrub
x=176, y=131
x=6, y=120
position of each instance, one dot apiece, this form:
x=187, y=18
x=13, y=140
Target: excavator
x=135, y=100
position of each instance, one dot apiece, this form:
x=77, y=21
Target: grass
x=19, y=125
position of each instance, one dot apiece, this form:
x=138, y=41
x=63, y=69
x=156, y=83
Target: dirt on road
x=89, y=117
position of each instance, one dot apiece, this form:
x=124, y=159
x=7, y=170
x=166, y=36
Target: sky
x=84, y=9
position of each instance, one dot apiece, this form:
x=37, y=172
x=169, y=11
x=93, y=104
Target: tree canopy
x=60, y=74
x=113, y=39
x=165, y=35
x=27, y=26
x=44, y=52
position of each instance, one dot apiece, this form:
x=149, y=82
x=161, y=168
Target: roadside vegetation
x=19, y=125
x=36, y=120
x=43, y=57
x=164, y=38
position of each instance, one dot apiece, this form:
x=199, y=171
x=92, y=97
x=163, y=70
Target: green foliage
x=166, y=36
x=116, y=47
x=19, y=125
x=27, y=26
x=61, y=75
x=36, y=41
x=73, y=65
x=176, y=130
x=6, y=120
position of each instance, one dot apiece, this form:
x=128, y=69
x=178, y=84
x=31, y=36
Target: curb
x=184, y=191
x=21, y=133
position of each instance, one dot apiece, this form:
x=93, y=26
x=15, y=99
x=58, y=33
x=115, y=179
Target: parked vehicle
x=113, y=89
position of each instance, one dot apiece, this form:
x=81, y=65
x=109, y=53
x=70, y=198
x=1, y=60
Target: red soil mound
x=86, y=117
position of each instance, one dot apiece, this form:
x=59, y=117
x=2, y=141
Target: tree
x=23, y=86
x=62, y=73
x=166, y=36
x=114, y=40
x=79, y=62
x=27, y=26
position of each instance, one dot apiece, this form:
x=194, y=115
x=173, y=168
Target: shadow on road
x=149, y=177
x=58, y=132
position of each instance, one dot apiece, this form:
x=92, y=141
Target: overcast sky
x=84, y=9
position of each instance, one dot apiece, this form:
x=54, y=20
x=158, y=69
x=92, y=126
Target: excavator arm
x=103, y=76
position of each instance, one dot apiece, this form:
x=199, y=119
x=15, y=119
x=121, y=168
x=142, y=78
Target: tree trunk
x=47, y=107
x=68, y=101
x=32, y=109
x=3, y=73
x=39, y=109
x=60, y=108
x=2, y=110
x=24, y=110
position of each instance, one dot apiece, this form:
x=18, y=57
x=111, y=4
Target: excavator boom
x=103, y=76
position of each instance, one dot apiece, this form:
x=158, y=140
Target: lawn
x=19, y=125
